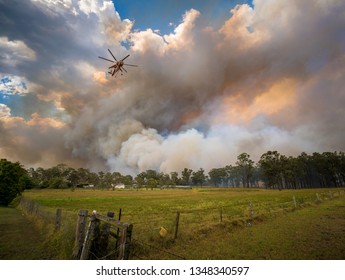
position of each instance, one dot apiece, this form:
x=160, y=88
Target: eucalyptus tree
x=218, y=176
x=199, y=177
x=245, y=168
x=270, y=165
x=186, y=176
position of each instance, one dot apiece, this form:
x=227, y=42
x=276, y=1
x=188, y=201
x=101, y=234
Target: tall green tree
x=245, y=168
x=175, y=180
x=218, y=176
x=186, y=176
x=164, y=179
x=199, y=177
x=13, y=179
x=270, y=164
x=232, y=176
x=140, y=179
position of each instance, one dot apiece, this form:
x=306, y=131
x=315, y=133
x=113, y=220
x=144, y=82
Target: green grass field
x=275, y=230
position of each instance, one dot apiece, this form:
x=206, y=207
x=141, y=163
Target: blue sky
x=157, y=14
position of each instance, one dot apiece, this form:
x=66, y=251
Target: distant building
x=119, y=186
x=183, y=187
x=85, y=186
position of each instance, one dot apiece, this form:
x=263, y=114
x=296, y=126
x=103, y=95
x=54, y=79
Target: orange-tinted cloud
x=280, y=95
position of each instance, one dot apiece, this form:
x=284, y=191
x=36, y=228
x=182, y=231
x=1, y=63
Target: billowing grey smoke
x=271, y=77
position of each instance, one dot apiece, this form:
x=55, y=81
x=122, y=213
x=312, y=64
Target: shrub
x=13, y=179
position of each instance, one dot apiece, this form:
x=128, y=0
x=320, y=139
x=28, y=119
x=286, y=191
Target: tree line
x=273, y=170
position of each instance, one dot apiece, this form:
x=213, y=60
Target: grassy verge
x=19, y=238
x=58, y=243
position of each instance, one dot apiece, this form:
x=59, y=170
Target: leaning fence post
x=80, y=233
x=294, y=201
x=88, y=238
x=58, y=219
x=177, y=223
x=125, y=241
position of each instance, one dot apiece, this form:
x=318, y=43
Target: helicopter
x=118, y=65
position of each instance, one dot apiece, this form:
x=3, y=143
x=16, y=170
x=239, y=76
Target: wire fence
x=201, y=222
x=155, y=233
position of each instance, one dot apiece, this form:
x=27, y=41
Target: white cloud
x=14, y=52
x=55, y=7
x=181, y=39
x=241, y=31
x=5, y=111
x=88, y=6
x=56, y=3
x=10, y=84
x=147, y=40
x=114, y=28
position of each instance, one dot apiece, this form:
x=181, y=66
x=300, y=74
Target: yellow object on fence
x=163, y=232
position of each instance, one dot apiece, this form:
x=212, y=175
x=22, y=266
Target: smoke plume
x=271, y=77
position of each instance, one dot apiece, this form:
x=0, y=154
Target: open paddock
x=215, y=222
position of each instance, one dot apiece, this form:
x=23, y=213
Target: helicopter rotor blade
x=131, y=65
x=124, y=69
x=106, y=59
x=112, y=55
x=124, y=58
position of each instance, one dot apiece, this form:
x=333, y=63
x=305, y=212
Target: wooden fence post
x=317, y=197
x=118, y=230
x=80, y=233
x=220, y=214
x=89, y=238
x=177, y=223
x=93, y=244
x=251, y=211
x=125, y=241
x=119, y=219
x=104, y=235
x=294, y=201
x=58, y=219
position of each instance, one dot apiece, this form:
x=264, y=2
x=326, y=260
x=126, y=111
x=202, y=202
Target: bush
x=13, y=179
